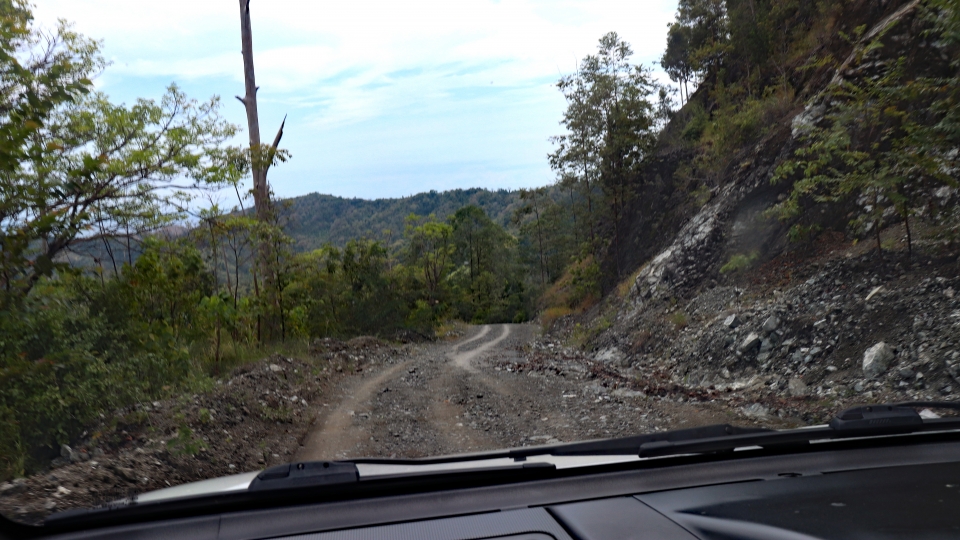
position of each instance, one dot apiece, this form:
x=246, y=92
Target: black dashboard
x=899, y=491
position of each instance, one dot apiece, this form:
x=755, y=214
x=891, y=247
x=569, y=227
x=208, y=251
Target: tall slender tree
x=611, y=128
x=676, y=59
x=261, y=158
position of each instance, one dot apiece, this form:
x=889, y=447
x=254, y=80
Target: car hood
x=368, y=471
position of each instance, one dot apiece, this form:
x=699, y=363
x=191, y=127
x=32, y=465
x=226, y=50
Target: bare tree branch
x=276, y=140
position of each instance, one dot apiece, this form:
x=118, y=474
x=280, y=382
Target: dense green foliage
x=78, y=347
x=878, y=142
x=887, y=142
x=74, y=166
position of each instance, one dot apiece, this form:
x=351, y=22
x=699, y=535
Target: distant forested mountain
x=314, y=220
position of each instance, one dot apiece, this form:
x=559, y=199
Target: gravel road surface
x=448, y=398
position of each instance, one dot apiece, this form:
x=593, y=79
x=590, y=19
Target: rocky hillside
x=721, y=299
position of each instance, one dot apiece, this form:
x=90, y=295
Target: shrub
x=679, y=319
x=582, y=336
x=71, y=351
x=740, y=121
x=185, y=443
x=739, y=262
x=697, y=124
x=550, y=316
x=577, y=288
x=701, y=195
x=11, y=455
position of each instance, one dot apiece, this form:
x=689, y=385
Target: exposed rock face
x=825, y=324
x=800, y=317
x=655, y=279
x=755, y=410
x=876, y=360
x=806, y=120
x=611, y=356
x=607, y=355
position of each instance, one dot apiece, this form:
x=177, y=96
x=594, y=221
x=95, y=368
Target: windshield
x=441, y=228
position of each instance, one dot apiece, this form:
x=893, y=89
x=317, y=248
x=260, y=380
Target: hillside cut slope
x=722, y=300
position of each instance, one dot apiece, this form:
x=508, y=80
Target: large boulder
x=751, y=343
x=797, y=388
x=613, y=356
x=876, y=360
x=770, y=325
x=732, y=322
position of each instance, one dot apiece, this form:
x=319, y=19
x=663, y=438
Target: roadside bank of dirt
x=254, y=418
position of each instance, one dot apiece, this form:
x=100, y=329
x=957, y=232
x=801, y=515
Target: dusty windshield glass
x=446, y=228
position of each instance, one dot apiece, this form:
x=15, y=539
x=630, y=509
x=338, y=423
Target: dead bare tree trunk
x=260, y=159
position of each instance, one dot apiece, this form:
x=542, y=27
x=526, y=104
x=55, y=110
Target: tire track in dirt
x=445, y=414
x=462, y=359
x=480, y=335
x=448, y=398
x=338, y=435
x=419, y=394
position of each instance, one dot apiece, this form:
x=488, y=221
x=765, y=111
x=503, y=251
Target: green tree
x=528, y=217
x=880, y=146
x=166, y=285
x=488, y=278
x=612, y=128
x=121, y=171
x=576, y=159
x=477, y=238
x=75, y=166
x=705, y=31
x=430, y=251
x=676, y=59
x=945, y=132
x=40, y=74
x=346, y=292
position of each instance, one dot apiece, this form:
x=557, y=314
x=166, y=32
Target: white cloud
x=336, y=64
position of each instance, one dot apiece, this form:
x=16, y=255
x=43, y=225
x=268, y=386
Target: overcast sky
x=384, y=98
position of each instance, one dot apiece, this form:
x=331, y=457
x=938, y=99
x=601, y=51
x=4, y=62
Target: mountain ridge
x=316, y=219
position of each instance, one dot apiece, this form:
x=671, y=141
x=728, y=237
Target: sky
x=382, y=98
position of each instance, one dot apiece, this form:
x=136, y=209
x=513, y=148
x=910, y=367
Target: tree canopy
x=75, y=165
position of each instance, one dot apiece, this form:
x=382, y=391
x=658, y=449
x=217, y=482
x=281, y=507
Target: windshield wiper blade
x=623, y=446
x=632, y=445
x=855, y=422
x=863, y=421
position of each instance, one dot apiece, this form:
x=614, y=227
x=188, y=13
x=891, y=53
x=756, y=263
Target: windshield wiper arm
x=306, y=474
x=863, y=421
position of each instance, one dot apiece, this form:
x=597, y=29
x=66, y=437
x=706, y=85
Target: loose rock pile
x=847, y=328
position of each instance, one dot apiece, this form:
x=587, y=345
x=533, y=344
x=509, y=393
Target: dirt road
x=453, y=397
x=498, y=387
